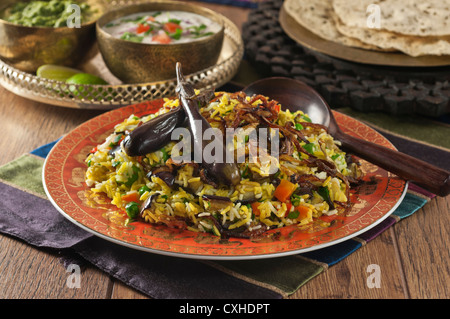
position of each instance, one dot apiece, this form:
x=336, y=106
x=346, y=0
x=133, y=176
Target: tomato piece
x=288, y=207
x=171, y=27
x=142, y=28
x=162, y=38
x=284, y=190
x=277, y=108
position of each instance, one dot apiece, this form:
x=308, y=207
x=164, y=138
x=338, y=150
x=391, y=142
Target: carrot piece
x=131, y=197
x=255, y=208
x=303, y=210
x=284, y=190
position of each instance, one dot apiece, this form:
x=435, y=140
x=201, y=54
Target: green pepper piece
x=306, y=118
x=324, y=192
x=295, y=200
x=134, y=177
x=143, y=189
x=309, y=148
x=335, y=156
x=294, y=214
x=166, y=155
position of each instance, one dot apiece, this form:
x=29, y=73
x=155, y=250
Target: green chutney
x=53, y=13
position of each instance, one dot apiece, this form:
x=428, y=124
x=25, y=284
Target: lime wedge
x=56, y=72
x=85, y=78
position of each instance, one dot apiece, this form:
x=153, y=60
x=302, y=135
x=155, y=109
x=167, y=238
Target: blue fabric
x=43, y=150
x=334, y=254
x=409, y=205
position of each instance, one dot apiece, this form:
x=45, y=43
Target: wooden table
x=413, y=256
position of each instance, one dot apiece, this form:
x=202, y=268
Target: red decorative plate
x=63, y=178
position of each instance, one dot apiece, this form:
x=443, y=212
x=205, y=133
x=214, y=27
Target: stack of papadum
x=414, y=27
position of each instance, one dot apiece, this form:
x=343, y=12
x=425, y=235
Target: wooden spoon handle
x=429, y=177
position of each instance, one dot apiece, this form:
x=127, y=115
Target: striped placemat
x=28, y=215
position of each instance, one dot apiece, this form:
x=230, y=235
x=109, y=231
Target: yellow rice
x=122, y=175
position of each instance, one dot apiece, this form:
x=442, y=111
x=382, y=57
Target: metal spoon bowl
x=296, y=95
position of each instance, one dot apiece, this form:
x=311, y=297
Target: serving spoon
x=296, y=95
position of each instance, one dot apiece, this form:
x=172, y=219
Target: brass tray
x=118, y=94
x=313, y=42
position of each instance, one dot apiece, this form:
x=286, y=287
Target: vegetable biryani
x=310, y=176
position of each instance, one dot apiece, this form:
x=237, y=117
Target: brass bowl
x=133, y=62
x=27, y=48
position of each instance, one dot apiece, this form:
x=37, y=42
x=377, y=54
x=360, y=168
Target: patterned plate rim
x=65, y=163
